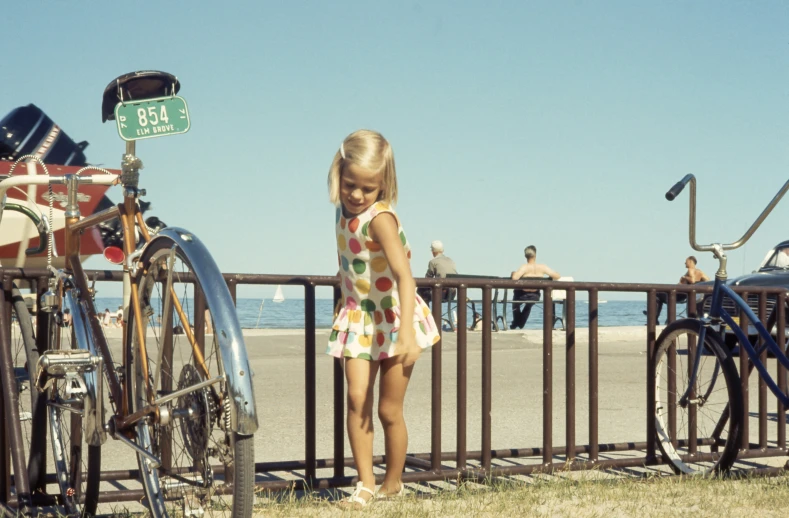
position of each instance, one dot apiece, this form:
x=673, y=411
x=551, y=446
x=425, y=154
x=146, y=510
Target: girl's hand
x=407, y=348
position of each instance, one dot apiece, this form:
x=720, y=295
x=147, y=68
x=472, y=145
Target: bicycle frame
x=239, y=386
x=131, y=219
x=184, y=405
x=720, y=289
x=717, y=313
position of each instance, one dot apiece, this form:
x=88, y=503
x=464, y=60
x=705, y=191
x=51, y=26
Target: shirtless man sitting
x=530, y=269
x=692, y=276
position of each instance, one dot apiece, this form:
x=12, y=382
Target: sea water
x=289, y=314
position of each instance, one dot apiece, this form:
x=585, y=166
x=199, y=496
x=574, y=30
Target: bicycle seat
x=144, y=84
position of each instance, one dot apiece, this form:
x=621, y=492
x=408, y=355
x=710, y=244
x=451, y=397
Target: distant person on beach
x=209, y=327
x=692, y=276
x=107, y=320
x=530, y=269
x=119, y=317
x=383, y=324
x=438, y=267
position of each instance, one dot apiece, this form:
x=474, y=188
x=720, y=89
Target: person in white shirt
x=107, y=320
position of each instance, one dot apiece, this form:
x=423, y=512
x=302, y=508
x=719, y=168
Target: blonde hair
x=370, y=150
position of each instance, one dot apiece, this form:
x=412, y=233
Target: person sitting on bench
x=692, y=276
x=438, y=267
x=530, y=269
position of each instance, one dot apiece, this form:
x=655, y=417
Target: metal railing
x=437, y=464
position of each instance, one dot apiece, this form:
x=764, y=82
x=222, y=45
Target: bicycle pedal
x=61, y=364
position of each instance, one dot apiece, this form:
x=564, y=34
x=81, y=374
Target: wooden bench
x=500, y=321
x=557, y=297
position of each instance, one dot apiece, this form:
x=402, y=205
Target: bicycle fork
x=697, y=399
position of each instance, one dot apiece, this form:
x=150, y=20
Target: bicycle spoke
x=700, y=436
x=195, y=442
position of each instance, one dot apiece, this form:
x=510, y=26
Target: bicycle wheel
x=702, y=436
x=77, y=471
x=25, y=357
x=206, y=466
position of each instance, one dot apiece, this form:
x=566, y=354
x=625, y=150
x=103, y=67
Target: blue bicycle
x=698, y=396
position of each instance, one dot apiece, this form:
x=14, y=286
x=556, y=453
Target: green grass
x=590, y=495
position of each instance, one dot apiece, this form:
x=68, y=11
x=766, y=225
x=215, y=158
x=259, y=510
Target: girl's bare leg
x=360, y=375
x=391, y=394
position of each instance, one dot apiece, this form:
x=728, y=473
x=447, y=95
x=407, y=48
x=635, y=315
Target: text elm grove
x=155, y=130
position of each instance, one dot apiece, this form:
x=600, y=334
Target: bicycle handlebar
x=674, y=191
x=21, y=180
x=679, y=186
x=41, y=225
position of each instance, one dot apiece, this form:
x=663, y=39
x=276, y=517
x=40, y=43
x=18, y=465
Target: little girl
x=374, y=271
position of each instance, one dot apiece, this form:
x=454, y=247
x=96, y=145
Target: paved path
x=277, y=358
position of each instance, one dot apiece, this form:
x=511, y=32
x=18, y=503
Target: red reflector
x=114, y=254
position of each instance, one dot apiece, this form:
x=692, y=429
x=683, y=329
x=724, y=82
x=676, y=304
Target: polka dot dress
x=366, y=326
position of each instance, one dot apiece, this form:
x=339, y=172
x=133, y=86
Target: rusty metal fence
x=461, y=463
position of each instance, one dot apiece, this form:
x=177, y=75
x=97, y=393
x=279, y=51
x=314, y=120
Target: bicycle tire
x=25, y=357
x=204, y=438
x=717, y=408
x=77, y=472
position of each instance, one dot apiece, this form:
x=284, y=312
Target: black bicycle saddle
x=144, y=84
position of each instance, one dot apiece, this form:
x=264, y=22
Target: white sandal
x=389, y=496
x=355, y=500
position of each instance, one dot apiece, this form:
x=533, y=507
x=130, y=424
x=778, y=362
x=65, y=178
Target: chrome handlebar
x=22, y=180
x=679, y=186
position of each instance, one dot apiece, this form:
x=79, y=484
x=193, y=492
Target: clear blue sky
x=558, y=124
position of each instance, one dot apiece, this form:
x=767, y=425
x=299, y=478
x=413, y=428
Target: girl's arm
x=383, y=230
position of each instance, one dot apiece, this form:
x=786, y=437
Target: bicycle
x=183, y=402
x=699, y=417
x=18, y=356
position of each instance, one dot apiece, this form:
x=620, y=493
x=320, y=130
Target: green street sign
x=151, y=118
